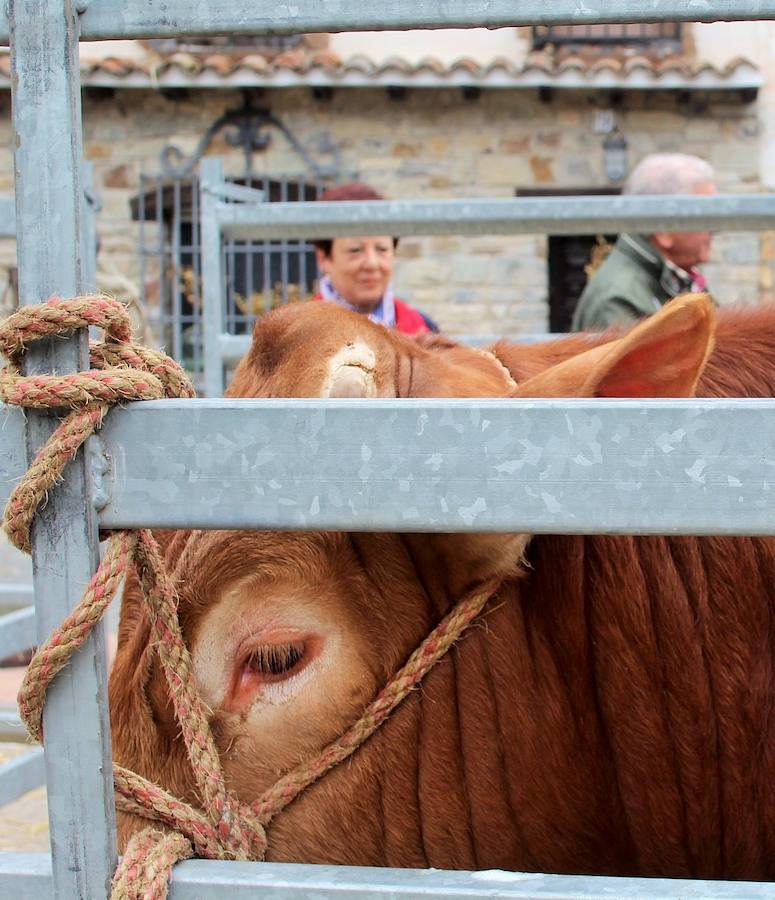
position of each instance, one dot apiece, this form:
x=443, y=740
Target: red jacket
x=408, y=319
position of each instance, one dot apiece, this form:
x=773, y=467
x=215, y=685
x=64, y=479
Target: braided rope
x=53, y=655
x=137, y=796
x=234, y=831
x=224, y=828
x=144, y=871
x=46, y=470
x=57, y=316
x=132, y=373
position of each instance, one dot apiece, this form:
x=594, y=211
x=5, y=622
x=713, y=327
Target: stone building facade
x=411, y=136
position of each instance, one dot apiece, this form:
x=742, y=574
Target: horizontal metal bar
x=562, y=466
x=519, y=215
x=232, y=347
x=25, y=875
x=28, y=875
x=213, y=880
x=17, y=632
x=206, y=880
x=108, y=19
x=228, y=190
x=24, y=773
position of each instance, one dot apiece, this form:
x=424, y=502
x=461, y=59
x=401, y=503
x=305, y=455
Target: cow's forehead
x=202, y=562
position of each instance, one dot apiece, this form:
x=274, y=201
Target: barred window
x=273, y=43
x=259, y=274
x=632, y=34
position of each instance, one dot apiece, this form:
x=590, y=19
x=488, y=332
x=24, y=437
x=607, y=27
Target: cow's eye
x=275, y=660
x=268, y=665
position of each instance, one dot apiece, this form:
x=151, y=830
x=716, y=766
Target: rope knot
x=120, y=372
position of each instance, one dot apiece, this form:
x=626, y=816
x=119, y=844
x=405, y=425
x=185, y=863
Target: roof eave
x=574, y=80
x=463, y=74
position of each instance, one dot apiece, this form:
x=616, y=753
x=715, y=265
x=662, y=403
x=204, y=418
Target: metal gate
x=257, y=275
x=45, y=79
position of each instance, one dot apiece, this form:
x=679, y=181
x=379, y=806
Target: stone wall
x=433, y=144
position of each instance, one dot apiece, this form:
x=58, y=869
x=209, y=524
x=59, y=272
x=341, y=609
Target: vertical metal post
x=49, y=206
x=267, y=248
x=176, y=294
x=213, y=281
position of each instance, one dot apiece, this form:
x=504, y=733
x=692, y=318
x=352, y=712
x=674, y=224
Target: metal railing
x=257, y=275
x=47, y=124
x=112, y=19
x=17, y=626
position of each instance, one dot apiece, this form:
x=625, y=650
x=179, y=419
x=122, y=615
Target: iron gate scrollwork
x=259, y=274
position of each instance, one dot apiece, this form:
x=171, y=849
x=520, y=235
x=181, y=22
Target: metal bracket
x=227, y=190
x=99, y=466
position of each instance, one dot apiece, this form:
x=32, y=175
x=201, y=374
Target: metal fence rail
x=48, y=155
x=520, y=215
x=578, y=466
x=17, y=632
x=28, y=875
x=106, y=19
x=22, y=774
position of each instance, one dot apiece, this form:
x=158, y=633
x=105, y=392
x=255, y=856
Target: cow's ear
x=663, y=356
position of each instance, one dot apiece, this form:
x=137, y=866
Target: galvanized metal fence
x=257, y=275
x=712, y=482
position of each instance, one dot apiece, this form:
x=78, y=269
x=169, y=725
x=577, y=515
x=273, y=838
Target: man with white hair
x=643, y=272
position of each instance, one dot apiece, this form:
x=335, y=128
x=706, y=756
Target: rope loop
x=122, y=372
x=58, y=316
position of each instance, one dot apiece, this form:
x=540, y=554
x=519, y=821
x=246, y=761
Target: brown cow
x=613, y=712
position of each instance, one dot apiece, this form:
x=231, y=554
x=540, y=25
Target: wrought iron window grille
x=262, y=43
x=247, y=126
x=643, y=34
x=259, y=274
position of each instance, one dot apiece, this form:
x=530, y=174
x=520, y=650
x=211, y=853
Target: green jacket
x=634, y=281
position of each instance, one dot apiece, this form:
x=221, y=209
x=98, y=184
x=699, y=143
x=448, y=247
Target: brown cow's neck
x=572, y=731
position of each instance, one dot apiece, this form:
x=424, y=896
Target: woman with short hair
x=356, y=272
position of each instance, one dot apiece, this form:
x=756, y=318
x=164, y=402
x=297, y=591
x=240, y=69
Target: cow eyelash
x=275, y=660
